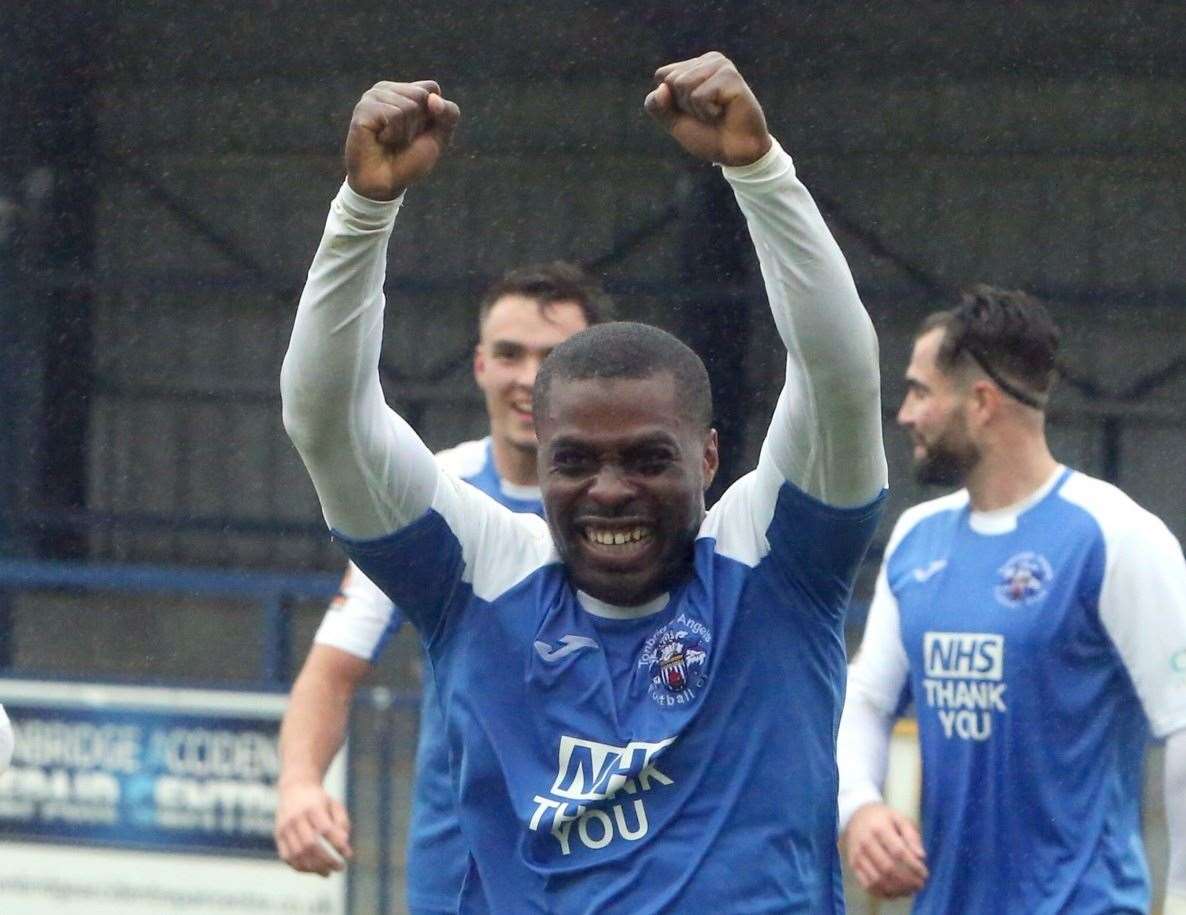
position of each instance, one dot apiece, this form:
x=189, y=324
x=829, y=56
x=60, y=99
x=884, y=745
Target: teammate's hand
x=312, y=829
x=709, y=109
x=884, y=849
x=397, y=134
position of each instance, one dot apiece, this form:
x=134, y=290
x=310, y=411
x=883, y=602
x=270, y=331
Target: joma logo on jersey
x=964, y=655
x=590, y=771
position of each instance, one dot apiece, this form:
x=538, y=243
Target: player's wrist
x=771, y=164
x=368, y=212
x=851, y=800
x=303, y=777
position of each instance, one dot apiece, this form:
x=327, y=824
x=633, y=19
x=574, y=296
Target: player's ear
x=712, y=458
x=985, y=400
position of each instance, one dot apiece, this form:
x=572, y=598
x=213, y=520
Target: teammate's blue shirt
x=1040, y=648
x=607, y=764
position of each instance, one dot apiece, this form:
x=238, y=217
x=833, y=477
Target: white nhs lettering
x=590, y=771
x=964, y=655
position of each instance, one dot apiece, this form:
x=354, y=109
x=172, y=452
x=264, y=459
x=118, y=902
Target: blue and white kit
x=677, y=755
x=361, y=620
x=1040, y=645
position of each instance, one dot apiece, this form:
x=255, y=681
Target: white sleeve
x=372, y=473
x=6, y=740
x=1143, y=609
x=1175, y=814
x=875, y=682
x=826, y=433
x=358, y=619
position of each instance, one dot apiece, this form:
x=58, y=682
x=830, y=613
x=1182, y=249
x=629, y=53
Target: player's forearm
x=333, y=355
x=827, y=434
x=1175, y=814
x=813, y=299
x=313, y=728
x=862, y=754
x=371, y=472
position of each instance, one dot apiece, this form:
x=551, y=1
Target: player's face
x=933, y=413
x=514, y=339
x=623, y=473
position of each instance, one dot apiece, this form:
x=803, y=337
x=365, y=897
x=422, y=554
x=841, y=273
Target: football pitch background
x=164, y=176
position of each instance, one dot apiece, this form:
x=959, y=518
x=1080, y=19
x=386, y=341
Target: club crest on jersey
x=1024, y=580
x=676, y=658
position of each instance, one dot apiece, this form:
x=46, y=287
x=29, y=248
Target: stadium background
x=164, y=175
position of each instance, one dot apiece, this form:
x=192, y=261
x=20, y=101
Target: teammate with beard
x=1037, y=620
x=641, y=696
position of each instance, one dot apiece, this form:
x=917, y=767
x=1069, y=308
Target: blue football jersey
x=605, y=762
x=361, y=622
x=1038, y=646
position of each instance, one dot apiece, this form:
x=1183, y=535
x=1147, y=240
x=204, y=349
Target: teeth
x=618, y=537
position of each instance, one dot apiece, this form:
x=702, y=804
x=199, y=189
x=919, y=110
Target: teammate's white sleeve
x=826, y=433
x=6, y=740
x=358, y=618
x=1142, y=607
x=372, y=473
x=1175, y=816
x=875, y=682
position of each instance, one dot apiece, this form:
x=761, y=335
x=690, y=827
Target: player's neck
x=514, y=465
x=1009, y=473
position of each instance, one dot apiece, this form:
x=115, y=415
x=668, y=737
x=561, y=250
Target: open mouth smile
x=628, y=537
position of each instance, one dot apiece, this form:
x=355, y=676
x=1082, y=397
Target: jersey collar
x=613, y=612
x=1004, y=520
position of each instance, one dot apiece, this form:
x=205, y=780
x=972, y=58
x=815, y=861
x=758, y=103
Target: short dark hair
x=556, y=281
x=626, y=349
x=1007, y=333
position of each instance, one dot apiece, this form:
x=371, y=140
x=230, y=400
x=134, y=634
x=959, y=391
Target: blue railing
x=275, y=593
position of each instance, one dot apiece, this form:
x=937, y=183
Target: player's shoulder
x=1117, y=515
x=919, y=516
x=466, y=459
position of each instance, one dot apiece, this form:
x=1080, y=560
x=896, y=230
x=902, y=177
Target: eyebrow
x=517, y=346
x=651, y=440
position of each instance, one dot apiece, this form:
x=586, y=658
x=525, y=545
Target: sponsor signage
x=147, y=800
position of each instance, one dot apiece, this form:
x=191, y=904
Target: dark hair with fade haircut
x=626, y=349
x=1008, y=334
x=547, y=284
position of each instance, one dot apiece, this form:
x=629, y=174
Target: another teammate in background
x=521, y=318
x=1037, y=620
x=640, y=697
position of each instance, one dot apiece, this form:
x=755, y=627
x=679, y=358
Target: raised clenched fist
x=397, y=134
x=709, y=109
